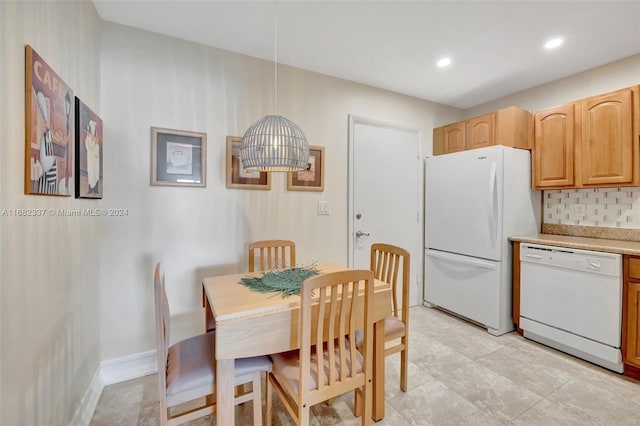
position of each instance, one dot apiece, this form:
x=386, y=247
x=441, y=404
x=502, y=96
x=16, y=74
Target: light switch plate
x=323, y=208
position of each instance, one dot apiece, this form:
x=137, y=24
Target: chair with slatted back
x=271, y=254
x=186, y=369
x=387, y=263
x=328, y=314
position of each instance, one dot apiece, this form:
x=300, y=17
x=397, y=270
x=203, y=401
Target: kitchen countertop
x=584, y=243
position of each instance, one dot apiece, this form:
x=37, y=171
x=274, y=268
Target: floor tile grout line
x=536, y=403
x=618, y=395
x=504, y=377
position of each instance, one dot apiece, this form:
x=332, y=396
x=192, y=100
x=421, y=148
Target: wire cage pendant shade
x=274, y=144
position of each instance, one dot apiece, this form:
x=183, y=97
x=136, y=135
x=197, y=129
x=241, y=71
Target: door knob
x=361, y=234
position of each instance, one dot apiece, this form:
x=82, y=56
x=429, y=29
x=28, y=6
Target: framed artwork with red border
x=49, y=129
x=237, y=176
x=311, y=179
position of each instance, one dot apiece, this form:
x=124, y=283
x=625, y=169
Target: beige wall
x=151, y=80
x=49, y=266
x=613, y=76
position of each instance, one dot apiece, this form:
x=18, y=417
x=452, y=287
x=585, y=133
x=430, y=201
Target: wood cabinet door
x=631, y=316
x=633, y=324
x=553, y=147
x=480, y=131
x=438, y=141
x=453, y=136
x=606, y=139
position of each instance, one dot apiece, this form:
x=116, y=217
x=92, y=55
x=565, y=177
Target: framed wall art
x=89, y=143
x=311, y=179
x=178, y=158
x=237, y=176
x=49, y=128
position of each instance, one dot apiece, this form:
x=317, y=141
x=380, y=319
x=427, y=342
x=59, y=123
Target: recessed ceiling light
x=444, y=62
x=553, y=43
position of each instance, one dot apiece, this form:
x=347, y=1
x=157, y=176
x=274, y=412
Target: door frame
x=353, y=121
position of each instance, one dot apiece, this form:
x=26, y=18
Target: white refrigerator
x=474, y=200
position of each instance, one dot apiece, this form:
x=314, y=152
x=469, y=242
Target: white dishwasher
x=571, y=300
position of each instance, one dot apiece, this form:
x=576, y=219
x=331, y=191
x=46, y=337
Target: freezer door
x=463, y=202
x=464, y=285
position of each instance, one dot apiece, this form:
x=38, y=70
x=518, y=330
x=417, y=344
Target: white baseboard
x=109, y=372
x=89, y=402
x=128, y=367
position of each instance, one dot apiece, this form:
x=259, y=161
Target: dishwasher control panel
x=563, y=257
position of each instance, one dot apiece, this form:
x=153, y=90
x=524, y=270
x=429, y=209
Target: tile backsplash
x=604, y=207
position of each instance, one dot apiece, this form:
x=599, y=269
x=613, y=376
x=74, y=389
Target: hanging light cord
x=275, y=57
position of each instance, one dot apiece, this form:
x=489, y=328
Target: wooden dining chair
x=186, y=369
x=271, y=254
x=319, y=371
x=387, y=261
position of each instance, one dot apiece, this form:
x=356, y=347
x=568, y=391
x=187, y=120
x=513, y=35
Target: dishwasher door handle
x=533, y=256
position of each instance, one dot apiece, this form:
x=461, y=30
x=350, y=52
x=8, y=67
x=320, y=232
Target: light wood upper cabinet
x=453, y=137
x=553, y=147
x=514, y=127
x=480, y=131
x=607, y=141
x=509, y=127
x=592, y=142
x=438, y=141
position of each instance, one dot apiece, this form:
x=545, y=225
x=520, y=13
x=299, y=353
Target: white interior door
x=385, y=195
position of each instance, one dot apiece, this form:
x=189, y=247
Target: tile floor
x=458, y=375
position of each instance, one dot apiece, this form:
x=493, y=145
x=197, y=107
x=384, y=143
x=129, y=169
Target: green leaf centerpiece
x=286, y=281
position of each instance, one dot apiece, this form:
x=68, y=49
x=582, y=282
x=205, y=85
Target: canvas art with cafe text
x=49, y=130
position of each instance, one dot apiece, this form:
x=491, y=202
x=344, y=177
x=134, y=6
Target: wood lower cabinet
x=515, y=312
x=593, y=142
x=631, y=317
x=509, y=127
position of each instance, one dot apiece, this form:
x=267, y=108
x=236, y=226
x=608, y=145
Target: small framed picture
x=178, y=158
x=311, y=179
x=89, y=179
x=237, y=176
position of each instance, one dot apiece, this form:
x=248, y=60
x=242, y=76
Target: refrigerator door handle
x=491, y=207
x=465, y=260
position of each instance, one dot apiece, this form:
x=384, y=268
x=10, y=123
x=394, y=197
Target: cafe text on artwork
x=49, y=130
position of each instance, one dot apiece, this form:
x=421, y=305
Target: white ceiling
x=496, y=47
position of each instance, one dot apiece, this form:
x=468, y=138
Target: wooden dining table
x=249, y=323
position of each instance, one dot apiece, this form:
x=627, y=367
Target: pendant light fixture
x=273, y=143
